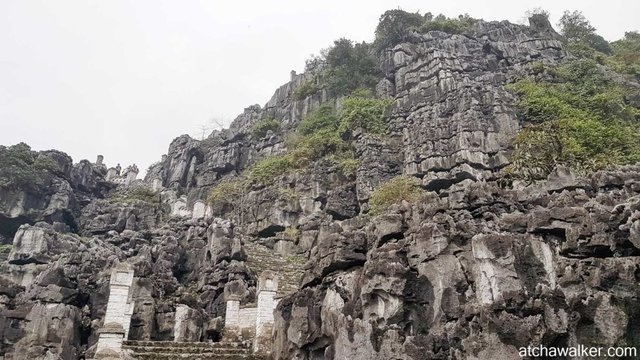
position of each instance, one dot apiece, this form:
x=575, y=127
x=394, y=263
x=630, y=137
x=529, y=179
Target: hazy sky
x=123, y=78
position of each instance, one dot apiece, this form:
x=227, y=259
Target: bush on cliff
x=576, y=29
x=393, y=191
x=581, y=119
x=362, y=110
x=306, y=89
x=626, y=54
x=326, y=133
x=395, y=26
x=442, y=23
x=22, y=168
x=227, y=192
x=349, y=67
x=136, y=194
x=262, y=127
x=269, y=168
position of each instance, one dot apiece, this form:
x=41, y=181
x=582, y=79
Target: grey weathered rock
x=476, y=269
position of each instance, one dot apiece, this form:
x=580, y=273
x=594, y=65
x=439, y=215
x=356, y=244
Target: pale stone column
x=199, y=209
x=157, y=185
x=115, y=328
x=267, y=288
x=112, y=173
x=232, y=314
x=131, y=177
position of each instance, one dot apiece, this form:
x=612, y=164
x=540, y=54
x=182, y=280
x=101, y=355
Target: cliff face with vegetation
x=457, y=189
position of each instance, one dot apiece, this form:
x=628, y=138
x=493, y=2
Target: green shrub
x=262, y=127
x=136, y=194
x=288, y=194
x=313, y=147
x=291, y=232
x=580, y=119
x=323, y=118
x=227, y=191
x=541, y=102
x=449, y=25
x=5, y=248
x=577, y=29
x=305, y=90
x=394, y=191
x=626, y=54
x=322, y=133
x=346, y=162
x=296, y=259
x=22, y=168
x=350, y=66
x=362, y=110
x=269, y=168
x=394, y=27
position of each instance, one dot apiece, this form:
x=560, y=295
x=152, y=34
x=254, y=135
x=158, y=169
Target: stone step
x=172, y=350
x=187, y=344
x=173, y=356
x=260, y=258
x=187, y=350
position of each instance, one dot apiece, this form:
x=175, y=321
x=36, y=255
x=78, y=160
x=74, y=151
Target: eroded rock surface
x=479, y=267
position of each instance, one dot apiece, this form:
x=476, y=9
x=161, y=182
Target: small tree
x=351, y=66
x=394, y=27
x=577, y=29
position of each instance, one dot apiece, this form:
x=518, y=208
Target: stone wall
x=254, y=320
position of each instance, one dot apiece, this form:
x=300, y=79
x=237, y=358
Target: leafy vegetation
x=288, y=194
x=349, y=67
x=576, y=29
x=393, y=191
x=326, y=134
x=136, y=194
x=581, y=119
x=22, y=168
x=442, y=23
x=626, y=54
x=269, y=168
x=346, y=162
x=307, y=88
x=362, y=110
x=5, y=248
x=228, y=191
x=296, y=259
x=262, y=127
x=323, y=118
x=582, y=116
x=395, y=26
x=291, y=232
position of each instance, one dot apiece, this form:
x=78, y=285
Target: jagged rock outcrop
x=490, y=272
x=479, y=266
x=64, y=191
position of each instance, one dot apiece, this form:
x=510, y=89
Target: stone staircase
x=171, y=350
x=289, y=269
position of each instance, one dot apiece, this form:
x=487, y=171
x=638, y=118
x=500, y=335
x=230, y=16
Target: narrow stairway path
x=289, y=269
x=171, y=350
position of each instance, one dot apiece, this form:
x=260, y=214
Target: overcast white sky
x=123, y=78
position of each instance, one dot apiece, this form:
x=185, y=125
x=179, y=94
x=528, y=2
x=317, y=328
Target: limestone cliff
x=479, y=266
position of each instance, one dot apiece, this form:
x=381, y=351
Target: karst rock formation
x=476, y=269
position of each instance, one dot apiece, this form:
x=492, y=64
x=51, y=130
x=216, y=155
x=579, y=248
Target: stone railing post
x=267, y=289
x=115, y=328
x=232, y=316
